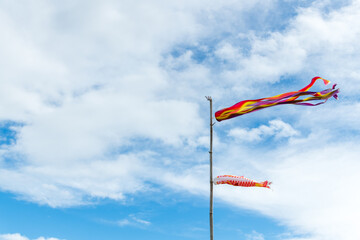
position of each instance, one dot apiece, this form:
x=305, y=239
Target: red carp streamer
x=240, y=181
x=248, y=106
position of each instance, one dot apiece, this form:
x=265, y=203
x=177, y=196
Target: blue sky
x=104, y=122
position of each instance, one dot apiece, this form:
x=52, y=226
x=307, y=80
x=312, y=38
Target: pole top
x=208, y=98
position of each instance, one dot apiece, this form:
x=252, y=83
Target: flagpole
x=211, y=174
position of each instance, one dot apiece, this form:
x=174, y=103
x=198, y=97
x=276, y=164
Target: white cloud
x=42, y=238
x=132, y=220
x=313, y=189
x=59, y=185
x=105, y=104
x=276, y=128
x=315, y=42
x=88, y=83
x=83, y=91
x=254, y=236
x=228, y=52
x=17, y=236
x=123, y=222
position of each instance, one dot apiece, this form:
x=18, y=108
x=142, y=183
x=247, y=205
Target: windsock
x=240, y=181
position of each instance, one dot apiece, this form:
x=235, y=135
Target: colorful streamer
x=248, y=106
x=240, y=181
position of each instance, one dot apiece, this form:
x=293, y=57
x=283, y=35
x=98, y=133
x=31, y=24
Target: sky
x=104, y=124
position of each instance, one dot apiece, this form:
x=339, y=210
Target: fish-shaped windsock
x=240, y=181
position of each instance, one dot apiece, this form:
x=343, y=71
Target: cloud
x=312, y=44
x=87, y=95
x=276, y=128
x=17, y=236
x=109, y=99
x=133, y=221
x=57, y=185
x=96, y=99
x=42, y=238
x=254, y=236
x=313, y=189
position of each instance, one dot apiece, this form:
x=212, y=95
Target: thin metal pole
x=211, y=174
